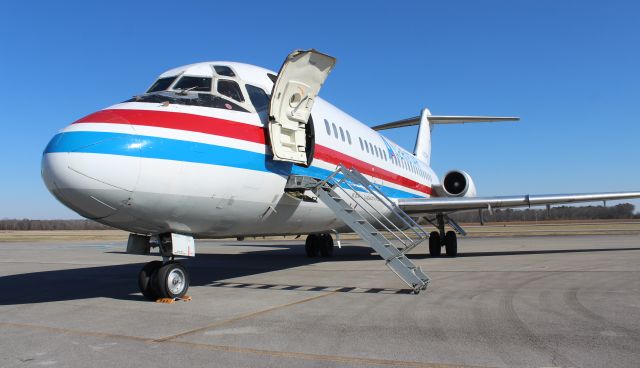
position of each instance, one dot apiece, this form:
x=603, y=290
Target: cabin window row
x=373, y=149
x=337, y=132
x=400, y=162
x=343, y=135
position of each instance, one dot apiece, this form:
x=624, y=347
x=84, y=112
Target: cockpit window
x=231, y=89
x=224, y=71
x=258, y=97
x=161, y=84
x=199, y=84
x=192, y=99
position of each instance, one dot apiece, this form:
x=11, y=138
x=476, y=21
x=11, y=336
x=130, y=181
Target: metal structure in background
x=343, y=192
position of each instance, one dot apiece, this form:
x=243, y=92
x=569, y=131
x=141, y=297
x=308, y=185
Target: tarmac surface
x=570, y=301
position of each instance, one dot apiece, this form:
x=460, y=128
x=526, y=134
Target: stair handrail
x=411, y=224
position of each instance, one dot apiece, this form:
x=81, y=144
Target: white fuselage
x=153, y=168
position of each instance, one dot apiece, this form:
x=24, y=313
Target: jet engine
x=458, y=184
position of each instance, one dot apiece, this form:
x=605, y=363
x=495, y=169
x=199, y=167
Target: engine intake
x=458, y=184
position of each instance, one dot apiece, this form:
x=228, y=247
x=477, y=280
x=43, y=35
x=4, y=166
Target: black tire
x=171, y=280
x=326, y=246
x=311, y=245
x=451, y=244
x=435, y=246
x=144, y=279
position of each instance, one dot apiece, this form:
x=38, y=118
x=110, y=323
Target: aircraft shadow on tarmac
x=120, y=281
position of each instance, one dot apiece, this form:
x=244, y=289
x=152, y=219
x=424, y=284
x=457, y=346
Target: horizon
x=567, y=69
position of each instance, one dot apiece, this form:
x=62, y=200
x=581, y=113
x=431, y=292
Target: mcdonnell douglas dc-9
x=225, y=149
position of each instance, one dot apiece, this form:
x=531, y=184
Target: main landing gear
x=439, y=239
x=319, y=245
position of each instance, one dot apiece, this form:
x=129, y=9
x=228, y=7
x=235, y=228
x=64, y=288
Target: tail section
x=422, y=149
x=423, y=141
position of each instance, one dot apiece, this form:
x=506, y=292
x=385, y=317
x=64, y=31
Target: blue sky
x=568, y=68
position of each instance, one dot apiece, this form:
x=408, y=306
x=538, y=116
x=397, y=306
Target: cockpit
x=211, y=85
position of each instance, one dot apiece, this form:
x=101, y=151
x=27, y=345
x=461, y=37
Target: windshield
x=199, y=84
x=162, y=84
x=199, y=99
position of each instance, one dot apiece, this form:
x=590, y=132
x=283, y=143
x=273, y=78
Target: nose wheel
x=158, y=280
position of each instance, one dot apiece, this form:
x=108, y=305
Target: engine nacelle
x=458, y=184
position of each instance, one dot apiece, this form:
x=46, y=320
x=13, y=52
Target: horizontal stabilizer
x=435, y=119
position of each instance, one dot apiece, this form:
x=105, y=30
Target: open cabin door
x=294, y=92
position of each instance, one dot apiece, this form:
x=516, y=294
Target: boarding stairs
x=378, y=220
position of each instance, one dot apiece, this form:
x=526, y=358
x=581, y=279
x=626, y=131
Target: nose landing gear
x=159, y=280
x=166, y=280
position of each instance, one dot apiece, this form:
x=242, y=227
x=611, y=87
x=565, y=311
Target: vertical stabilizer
x=423, y=141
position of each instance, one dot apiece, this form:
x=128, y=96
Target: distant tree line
x=27, y=224
x=620, y=211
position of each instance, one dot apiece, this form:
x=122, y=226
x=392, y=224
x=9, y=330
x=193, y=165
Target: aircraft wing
x=418, y=206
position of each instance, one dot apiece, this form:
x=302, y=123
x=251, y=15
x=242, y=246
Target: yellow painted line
x=243, y=317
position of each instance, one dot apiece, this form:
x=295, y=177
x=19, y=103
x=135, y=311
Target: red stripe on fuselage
x=237, y=130
x=181, y=121
x=334, y=157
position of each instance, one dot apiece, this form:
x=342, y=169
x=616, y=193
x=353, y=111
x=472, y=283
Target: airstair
x=363, y=207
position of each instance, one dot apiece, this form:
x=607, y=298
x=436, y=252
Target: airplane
x=224, y=149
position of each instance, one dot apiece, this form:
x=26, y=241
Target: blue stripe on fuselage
x=178, y=150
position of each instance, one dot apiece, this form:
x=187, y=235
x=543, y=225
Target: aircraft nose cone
x=92, y=172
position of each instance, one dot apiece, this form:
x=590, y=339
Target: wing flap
x=416, y=206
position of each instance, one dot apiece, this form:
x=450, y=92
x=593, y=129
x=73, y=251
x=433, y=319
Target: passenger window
x=326, y=125
x=224, y=70
x=366, y=146
x=230, y=89
x=371, y=147
x=199, y=84
x=341, y=134
x=258, y=97
x=161, y=84
x=361, y=146
x=335, y=130
x=384, y=153
x=348, y=137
